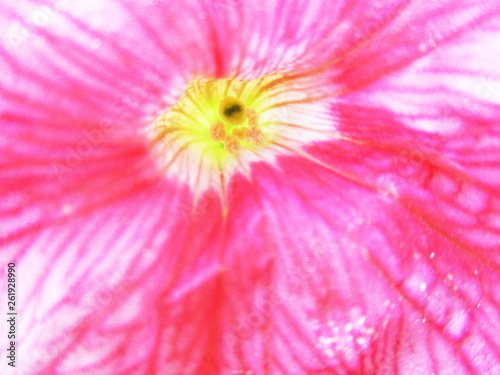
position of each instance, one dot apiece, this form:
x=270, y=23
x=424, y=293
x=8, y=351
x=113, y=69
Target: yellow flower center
x=216, y=119
x=220, y=126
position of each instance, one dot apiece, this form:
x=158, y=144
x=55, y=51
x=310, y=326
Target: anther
x=232, y=145
x=254, y=135
x=253, y=118
x=217, y=132
x=240, y=132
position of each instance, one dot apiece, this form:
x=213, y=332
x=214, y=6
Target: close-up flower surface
x=251, y=187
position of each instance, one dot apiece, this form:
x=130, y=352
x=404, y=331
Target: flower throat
x=219, y=127
x=217, y=119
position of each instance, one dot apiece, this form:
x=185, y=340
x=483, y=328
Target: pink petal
x=377, y=254
x=388, y=38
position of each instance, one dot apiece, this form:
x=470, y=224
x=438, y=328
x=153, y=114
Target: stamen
x=255, y=136
x=253, y=118
x=217, y=132
x=232, y=145
x=240, y=132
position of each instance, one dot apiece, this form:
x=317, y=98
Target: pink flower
x=350, y=224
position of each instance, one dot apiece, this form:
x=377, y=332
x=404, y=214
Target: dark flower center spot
x=232, y=109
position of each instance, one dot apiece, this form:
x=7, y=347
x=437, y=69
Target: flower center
x=219, y=126
x=216, y=119
x=234, y=113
